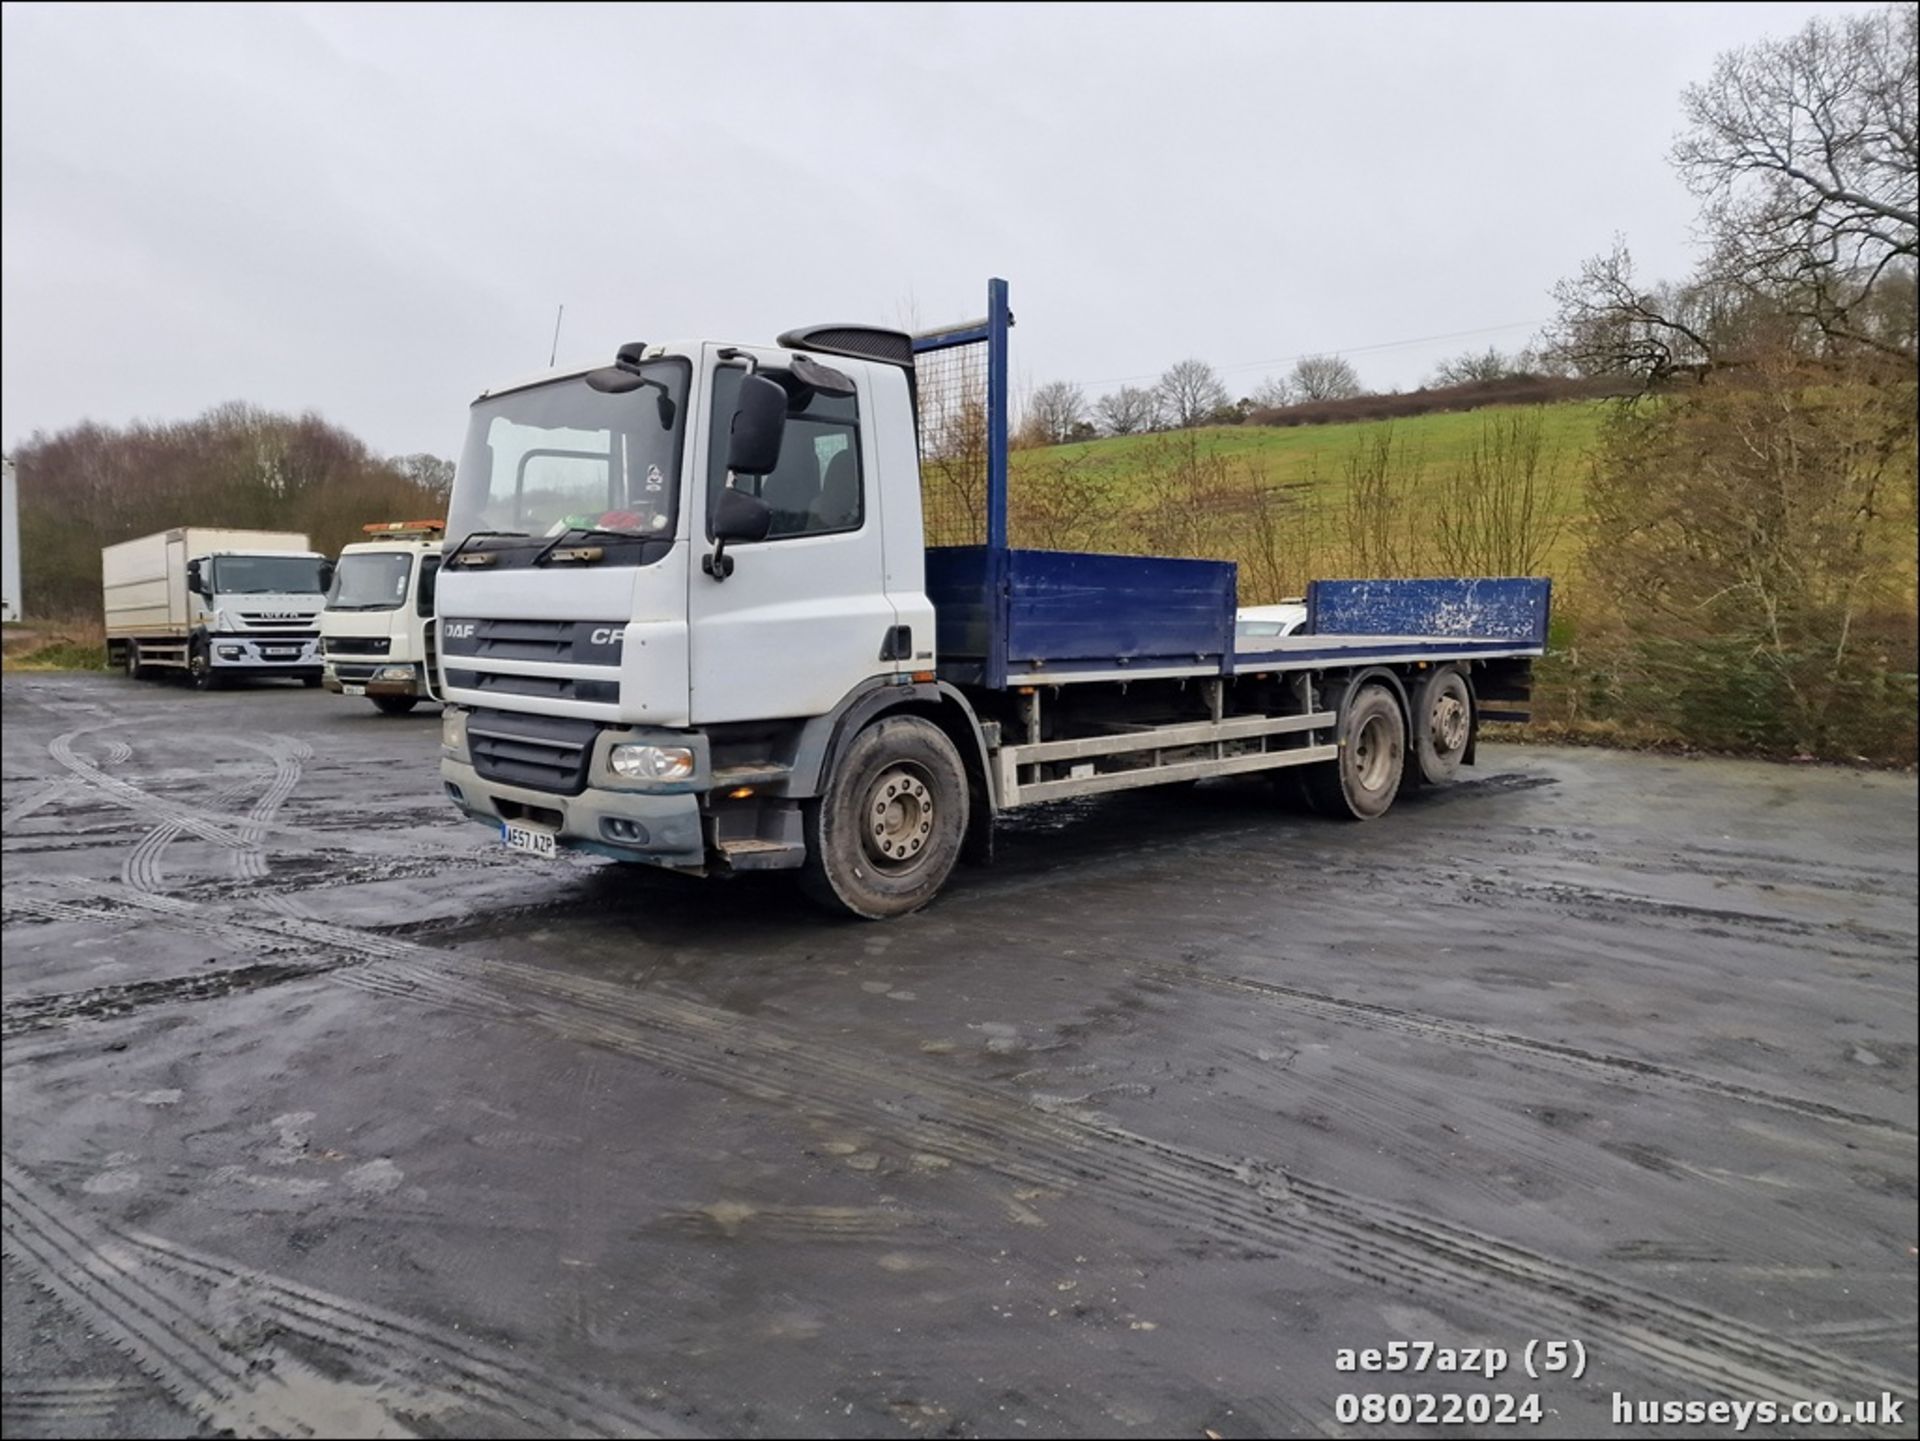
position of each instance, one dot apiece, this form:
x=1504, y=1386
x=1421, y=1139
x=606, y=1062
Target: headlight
x=397, y=672
x=453, y=730
x=230, y=652
x=651, y=763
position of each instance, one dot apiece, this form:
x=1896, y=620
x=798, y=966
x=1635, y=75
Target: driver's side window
x=818, y=487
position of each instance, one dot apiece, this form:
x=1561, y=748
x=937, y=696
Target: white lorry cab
x=217, y=604
x=377, y=631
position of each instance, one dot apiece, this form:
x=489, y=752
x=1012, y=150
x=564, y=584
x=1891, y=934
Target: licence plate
x=353, y=690
x=526, y=838
x=279, y=654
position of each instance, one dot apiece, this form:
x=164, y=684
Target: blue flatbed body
x=1022, y=617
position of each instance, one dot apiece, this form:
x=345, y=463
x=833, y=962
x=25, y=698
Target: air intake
x=862, y=342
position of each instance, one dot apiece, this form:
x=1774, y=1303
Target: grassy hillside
x=1402, y=496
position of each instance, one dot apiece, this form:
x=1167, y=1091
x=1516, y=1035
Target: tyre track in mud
x=979, y=1125
x=215, y=828
x=80, y=1399
x=1556, y=1055
x=146, y=1295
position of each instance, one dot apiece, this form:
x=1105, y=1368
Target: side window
x=429, y=572
x=818, y=487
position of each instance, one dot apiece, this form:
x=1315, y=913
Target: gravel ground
x=325, y=1116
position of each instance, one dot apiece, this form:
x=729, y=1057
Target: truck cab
x=377, y=634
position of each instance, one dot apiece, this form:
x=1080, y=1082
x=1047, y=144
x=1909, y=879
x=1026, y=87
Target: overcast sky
x=373, y=212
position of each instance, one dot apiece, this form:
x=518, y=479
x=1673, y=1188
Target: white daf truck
x=377, y=634
x=215, y=605
x=692, y=615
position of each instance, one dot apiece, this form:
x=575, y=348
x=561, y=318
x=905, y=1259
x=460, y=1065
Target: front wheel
x=1359, y=784
x=394, y=704
x=884, y=837
x=200, y=669
x=136, y=668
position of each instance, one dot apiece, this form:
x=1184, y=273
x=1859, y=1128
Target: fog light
x=397, y=672
x=651, y=763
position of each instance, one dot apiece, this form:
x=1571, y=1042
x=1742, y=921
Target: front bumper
x=661, y=830
x=375, y=677
x=229, y=651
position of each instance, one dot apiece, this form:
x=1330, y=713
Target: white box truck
x=377, y=632
x=216, y=604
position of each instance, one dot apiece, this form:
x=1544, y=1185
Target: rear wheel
x=395, y=704
x=885, y=836
x=1442, y=727
x=136, y=668
x=1360, y=783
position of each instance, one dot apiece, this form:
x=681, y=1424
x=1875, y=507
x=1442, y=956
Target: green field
x=1282, y=501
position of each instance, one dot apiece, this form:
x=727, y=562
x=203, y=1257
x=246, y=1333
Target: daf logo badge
x=460, y=630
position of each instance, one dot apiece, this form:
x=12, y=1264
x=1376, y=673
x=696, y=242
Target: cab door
x=804, y=617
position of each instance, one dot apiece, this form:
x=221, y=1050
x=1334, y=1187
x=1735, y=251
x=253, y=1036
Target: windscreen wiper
x=582, y=532
x=461, y=544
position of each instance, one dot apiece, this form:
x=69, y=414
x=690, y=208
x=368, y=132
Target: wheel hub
x=1449, y=724
x=898, y=818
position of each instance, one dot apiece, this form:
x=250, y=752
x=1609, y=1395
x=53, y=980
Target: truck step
x=759, y=855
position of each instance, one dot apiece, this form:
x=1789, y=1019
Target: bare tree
x=432, y=474
x=1272, y=393
x=1324, y=377
x=1805, y=152
x=1128, y=410
x=1474, y=366
x=1053, y=413
x=1189, y=392
x=1609, y=322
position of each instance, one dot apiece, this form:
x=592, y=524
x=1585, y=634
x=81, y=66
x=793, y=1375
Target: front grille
x=579, y=642
x=549, y=687
x=278, y=623
x=358, y=644
x=543, y=753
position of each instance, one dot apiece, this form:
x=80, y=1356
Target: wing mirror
x=759, y=424
x=736, y=516
x=196, y=578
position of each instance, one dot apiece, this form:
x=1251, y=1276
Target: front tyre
x=200, y=667
x=394, y=704
x=884, y=837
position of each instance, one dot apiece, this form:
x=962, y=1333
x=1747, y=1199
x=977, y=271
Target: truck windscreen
x=372, y=580
x=554, y=457
x=266, y=575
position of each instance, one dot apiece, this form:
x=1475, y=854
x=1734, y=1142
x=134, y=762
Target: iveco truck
x=377, y=634
x=214, y=605
x=693, y=613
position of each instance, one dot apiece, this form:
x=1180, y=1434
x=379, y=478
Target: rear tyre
x=1361, y=782
x=1442, y=727
x=395, y=704
x=885, y=836
x=136, y=670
